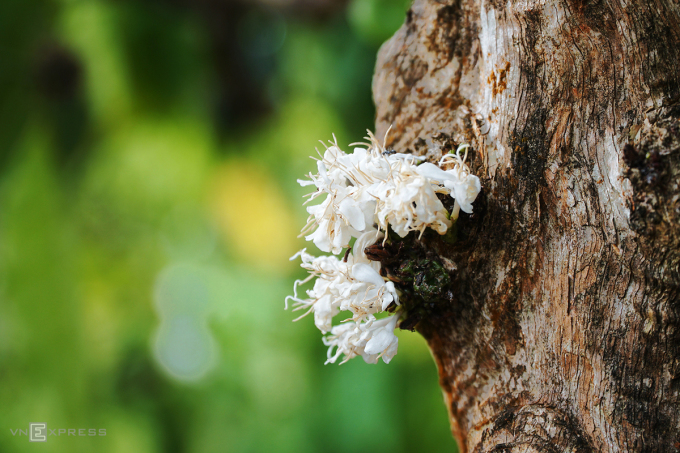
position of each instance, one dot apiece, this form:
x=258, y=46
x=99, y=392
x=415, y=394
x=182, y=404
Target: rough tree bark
x=561, y=327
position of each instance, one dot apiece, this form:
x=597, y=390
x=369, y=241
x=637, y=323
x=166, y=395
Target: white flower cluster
x=367, y=192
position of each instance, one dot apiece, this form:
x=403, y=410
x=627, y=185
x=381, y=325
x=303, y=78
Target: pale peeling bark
x=561, y=328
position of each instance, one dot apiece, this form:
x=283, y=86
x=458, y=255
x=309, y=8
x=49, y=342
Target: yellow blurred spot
x=252, y=215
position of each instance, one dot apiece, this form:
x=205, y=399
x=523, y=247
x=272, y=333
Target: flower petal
x=365, y=273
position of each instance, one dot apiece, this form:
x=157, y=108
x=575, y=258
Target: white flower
x=333, y=232
x=459, y=182
x=371, y=340
x=464, y=188
x=354, y=285
x=383, y=342
x=409, y=203
x=372, y=293
x=348, y=209
x=362, y=195
x=321, y=297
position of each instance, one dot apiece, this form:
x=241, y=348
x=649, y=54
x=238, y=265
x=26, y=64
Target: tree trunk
x=561, y=330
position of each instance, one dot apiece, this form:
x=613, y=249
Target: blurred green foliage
x=148, y=206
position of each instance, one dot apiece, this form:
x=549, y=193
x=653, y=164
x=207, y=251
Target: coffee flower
x=371, y=340
x=362, y=196
x=462, y=185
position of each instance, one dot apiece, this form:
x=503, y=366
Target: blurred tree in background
x=148, y=206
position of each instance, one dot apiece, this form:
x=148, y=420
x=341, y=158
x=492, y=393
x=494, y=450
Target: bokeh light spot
x=253, y=215
x=183, y=344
